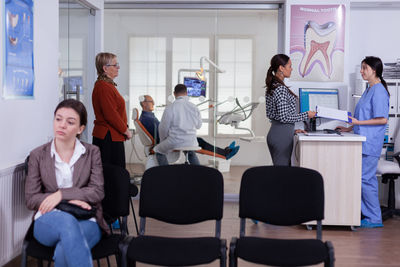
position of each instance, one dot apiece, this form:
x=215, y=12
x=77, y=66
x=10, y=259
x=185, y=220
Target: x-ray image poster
x=18, y=72
x=317, y=42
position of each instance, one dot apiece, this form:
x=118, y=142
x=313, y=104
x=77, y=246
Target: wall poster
x=317, y=34
x=18, y=71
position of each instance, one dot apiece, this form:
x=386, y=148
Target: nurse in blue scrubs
x=370, y=119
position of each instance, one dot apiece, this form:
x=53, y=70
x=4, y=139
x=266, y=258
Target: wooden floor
x=363, y=247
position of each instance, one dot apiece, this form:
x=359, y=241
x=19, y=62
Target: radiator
x=15, y=218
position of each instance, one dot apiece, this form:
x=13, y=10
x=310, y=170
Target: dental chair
x=148, y=142
x=146, y=139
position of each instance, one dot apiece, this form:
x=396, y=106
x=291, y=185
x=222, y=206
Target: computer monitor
x=195, y=87
x=312, y=97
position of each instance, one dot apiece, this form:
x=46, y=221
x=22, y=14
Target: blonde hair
x=103, y=59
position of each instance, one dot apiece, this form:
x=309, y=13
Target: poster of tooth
x=317, y=42
x=18, y=71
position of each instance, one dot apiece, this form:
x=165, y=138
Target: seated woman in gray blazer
x=66, y=169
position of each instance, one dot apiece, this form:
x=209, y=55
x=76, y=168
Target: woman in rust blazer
x=110, y=125
x=70, y=170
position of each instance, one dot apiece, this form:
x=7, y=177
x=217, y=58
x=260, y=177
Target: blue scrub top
x=374, y=103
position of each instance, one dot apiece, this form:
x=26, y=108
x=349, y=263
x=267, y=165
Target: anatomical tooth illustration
x=319, y=42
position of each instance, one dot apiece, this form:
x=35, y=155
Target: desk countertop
x=345, y=137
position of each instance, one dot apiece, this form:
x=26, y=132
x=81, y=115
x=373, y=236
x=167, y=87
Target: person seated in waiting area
x=66, y=169
x=151, y=123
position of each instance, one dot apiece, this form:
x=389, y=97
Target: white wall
x=373, y=33
x=120, y=25
x=25, y=124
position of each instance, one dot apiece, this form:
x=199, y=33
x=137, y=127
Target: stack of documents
x=334, y=114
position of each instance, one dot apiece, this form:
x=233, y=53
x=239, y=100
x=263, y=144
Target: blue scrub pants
x=72, y=238
x=370, y=206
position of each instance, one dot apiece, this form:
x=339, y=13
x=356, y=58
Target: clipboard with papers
x=333, y=114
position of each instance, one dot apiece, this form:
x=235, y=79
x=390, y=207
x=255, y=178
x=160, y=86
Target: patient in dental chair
x=151, y=123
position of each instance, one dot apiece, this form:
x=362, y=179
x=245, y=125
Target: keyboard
x=324, y=132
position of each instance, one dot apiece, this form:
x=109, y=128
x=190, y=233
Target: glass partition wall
x=74, y=44
x=224, y=51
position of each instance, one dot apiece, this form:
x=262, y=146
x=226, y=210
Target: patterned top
x=281, y=106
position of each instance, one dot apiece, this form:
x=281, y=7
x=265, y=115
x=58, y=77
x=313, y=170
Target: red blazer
x=109, y=110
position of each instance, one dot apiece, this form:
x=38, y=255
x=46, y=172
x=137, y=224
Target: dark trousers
x=207, y=146
x=280, y=142
x=111, y=152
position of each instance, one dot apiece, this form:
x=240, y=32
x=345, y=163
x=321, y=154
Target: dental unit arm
x=238, y=114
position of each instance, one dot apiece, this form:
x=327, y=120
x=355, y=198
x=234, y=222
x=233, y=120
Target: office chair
x=390, y=171
x=178, y=194
x=281, y=195
x=115, y=204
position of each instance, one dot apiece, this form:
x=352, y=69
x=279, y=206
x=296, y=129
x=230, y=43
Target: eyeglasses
x=114, y=65
x=150, y=101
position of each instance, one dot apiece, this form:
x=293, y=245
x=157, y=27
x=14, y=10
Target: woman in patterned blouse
x=281, y=110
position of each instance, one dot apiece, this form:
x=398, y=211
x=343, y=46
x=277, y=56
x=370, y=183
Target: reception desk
x=338, y=159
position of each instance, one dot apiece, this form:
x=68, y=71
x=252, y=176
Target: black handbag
x=77, y=211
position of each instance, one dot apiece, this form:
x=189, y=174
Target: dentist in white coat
x=178, y=127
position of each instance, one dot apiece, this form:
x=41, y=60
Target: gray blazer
x=87, y=179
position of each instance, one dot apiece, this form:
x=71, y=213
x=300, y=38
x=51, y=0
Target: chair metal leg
x=134, y=216
x=186, y=157
x=390, y=210
x=24, y=257
x=391, y=200
x=232, y=253
x=123, y=248
x=330, y=262
x=223, y=253
x=118, y=259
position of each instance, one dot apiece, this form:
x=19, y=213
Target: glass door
x=221, y=54
x=74, y=26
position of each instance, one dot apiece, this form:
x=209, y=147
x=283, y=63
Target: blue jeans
x=161, y=159
x=72, y=238
x=192, y=158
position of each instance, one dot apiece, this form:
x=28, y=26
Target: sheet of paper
x=334, y=114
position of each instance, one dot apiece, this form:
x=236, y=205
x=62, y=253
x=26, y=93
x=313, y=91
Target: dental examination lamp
x=200, y=72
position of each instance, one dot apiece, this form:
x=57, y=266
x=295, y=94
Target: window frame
x=212, y=86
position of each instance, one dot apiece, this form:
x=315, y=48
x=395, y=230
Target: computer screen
x=312, y=97
x=195, y=87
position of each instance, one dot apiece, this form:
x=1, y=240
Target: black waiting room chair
x=115, y=205
x=284, y=196
x=181, y=195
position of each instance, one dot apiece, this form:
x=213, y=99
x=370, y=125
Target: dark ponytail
x=384, y=84
x=376, y=64
x=271, y=80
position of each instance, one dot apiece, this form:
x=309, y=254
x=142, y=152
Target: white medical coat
x=178, y=126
